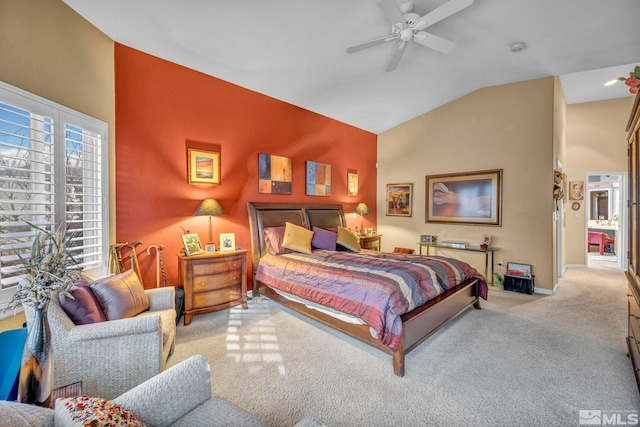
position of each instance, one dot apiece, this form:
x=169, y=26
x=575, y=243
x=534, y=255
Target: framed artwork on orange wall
x=204, y=167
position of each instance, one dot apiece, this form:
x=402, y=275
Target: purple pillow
x=273, y=237
x=84, y=308
x=324, y=239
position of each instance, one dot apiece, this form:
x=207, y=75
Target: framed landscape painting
x=465, y=198
x=204, y=167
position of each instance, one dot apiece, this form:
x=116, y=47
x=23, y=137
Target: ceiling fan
x=406, y=25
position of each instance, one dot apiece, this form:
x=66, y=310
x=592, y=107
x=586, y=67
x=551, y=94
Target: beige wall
x=49, y=50
x=509, y=127
x=596, y=142
x=559, y=149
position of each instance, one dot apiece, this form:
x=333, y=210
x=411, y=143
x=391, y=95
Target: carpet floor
x=526, y=360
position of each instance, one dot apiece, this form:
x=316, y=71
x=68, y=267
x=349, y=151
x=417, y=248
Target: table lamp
x=212, y=208
x=362, y=209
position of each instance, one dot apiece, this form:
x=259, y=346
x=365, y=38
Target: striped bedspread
x=375, y=286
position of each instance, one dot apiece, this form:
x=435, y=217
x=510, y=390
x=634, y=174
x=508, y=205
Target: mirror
x=599, y=204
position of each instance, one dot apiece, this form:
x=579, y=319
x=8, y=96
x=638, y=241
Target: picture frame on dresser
x=227, y=242
x=191, y=243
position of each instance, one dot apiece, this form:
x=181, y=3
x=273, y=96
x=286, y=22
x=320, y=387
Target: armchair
x=113, y=356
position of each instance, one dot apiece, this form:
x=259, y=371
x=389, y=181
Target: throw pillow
x=324, y=239
x=273, y=237
x=297, y=238
x=90, y=411
x=121, y=295
x=83, y=308
x=348, y=239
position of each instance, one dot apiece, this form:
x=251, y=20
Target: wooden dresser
x=633, y=338
x=212, y=281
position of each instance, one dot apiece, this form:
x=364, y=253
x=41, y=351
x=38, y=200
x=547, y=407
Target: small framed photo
x=192, y=245
x=486, y=241
x=227, y=241
x=211, y=247
x=204, y=167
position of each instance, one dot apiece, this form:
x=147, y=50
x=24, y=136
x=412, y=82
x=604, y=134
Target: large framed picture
x=191, y=243
x=465, y=198
x=204, y=167
x=399, y=199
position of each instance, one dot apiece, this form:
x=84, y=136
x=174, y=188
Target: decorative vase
x=36, y=370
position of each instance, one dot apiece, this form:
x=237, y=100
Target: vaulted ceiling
x=295, y=50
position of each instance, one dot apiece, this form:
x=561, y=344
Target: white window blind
x=52, y=173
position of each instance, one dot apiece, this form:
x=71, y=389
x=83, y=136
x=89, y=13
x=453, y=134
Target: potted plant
x=46, y=271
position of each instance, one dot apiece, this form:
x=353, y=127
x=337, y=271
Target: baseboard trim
x=545, y=291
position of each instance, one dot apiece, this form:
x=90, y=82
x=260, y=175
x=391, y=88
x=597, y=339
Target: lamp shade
x=209, y=207
x=362, y=209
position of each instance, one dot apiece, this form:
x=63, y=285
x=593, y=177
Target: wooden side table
x=372, y=241
x=213, y=281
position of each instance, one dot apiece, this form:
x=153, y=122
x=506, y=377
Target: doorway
x=606, y=221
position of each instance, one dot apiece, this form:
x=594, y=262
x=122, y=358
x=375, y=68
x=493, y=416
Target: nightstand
x=370, y=242
x=213, y=281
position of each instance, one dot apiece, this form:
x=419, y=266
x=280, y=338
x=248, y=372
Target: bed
x=412, y=327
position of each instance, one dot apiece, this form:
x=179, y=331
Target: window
x=53, y=171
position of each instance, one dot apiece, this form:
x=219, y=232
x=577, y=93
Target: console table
x=488, y=255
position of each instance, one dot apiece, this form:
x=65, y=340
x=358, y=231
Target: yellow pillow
x=348, y=239
x=297, y=238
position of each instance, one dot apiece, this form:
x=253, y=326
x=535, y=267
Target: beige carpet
x=521, y=360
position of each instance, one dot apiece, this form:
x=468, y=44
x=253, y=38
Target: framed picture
x=398, y=199
x=274, y=174
x=227, y=241
x=428, y=239
x=465, y=198
x=352, y=183
x=318, y=179
x=576, y=190
x=204, y=167
x=191, y=243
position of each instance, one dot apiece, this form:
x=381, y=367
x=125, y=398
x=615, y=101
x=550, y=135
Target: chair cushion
x=167, y=320
x=84, y=308
x=22, y=415
x=87, y=411
x=219, y=412
x=121, y=295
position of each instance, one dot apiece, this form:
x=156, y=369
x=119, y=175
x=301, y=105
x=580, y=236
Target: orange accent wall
x=162, y=109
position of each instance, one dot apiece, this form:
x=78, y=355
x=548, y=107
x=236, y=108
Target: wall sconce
x=362, y=209
x=212, y=208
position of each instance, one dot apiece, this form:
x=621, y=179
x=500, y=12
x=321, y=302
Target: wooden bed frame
x=417, y=325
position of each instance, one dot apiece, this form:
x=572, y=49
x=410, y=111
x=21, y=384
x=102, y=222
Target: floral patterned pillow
x=93, y=411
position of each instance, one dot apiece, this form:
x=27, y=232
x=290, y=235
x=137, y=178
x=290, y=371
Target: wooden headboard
x=307, y=215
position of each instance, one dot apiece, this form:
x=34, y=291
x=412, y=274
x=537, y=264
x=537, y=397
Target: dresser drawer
x=203, y=268
x=217, y=281
x=216, y=297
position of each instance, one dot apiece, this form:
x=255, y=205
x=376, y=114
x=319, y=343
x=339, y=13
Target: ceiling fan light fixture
x=518, y=47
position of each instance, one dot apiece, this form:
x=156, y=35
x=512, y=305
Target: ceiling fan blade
x=441, y=13
x=396, y=56
x=434, y=42
x=392, y=12
x=371, y=43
